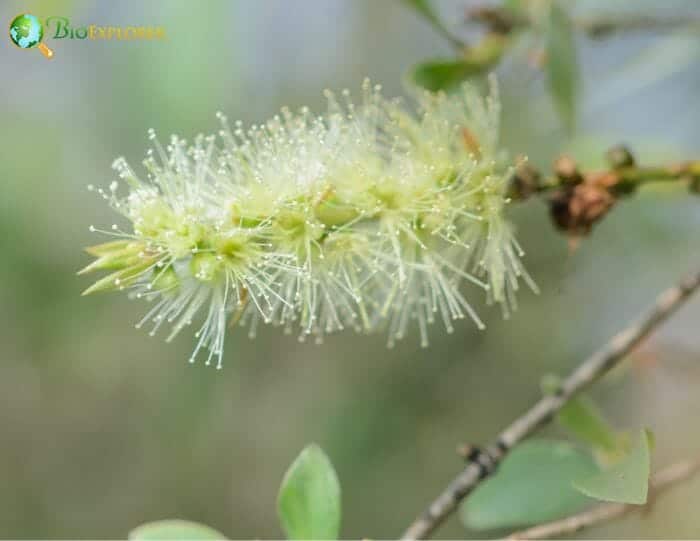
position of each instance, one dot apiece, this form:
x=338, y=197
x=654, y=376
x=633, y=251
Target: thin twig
x=503, y=22
x=623, y=179
x=578, y=199
x=661, y=481
x=485, y=462
x=599, y=27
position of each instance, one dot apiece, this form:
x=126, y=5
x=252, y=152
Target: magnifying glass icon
x=26, y=32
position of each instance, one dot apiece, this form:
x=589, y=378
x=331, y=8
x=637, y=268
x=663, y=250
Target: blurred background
x=103, y=428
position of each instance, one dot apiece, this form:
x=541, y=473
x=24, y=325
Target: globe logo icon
x=26, y=32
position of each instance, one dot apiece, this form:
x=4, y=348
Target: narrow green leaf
x=626, y=481
x=308, y=503
x=583, y=419
x=425, y=10
x=562, y=64
x=532, y=485
x=164, y=530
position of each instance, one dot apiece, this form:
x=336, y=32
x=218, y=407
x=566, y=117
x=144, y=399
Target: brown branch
x=623, y=176
x=660, y=482
x=578, y=199
x=504, y=22
x=602, y=27
x=484, y=463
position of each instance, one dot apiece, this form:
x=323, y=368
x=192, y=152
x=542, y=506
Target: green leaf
x=438, y=75
x=425, y=10
x=583, y=419
x=444, y=74
x=532, y=485
x=625, y=482
x=514, y=6
x=164, y=530
x=562, y=64
x=309, y=499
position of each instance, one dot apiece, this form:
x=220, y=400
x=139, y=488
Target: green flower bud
x=165, y=280
x=205, y=267
x=332, y=212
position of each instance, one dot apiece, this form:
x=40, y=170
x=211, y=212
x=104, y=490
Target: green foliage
x=164, y=530
x=625, y=482
x=562, y=64
x=445, y=74
x=514, y=6
x=309, y=499
x=532, y=485
x=583, y=419
x=437, y=75
x=425, y=10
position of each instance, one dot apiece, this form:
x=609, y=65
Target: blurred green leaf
x=438, y=75
x=562, y=64
x=533, y=485
x=445, y=75
x=515, y=6
x=175, y=529
x=583, y=419
x=625, y=482
x=425, y=10
x=309, y=499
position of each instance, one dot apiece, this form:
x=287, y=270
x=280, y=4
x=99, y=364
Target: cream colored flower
x=366, y=217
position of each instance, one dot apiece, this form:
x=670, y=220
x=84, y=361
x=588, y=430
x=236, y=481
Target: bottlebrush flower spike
x=367, y=217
